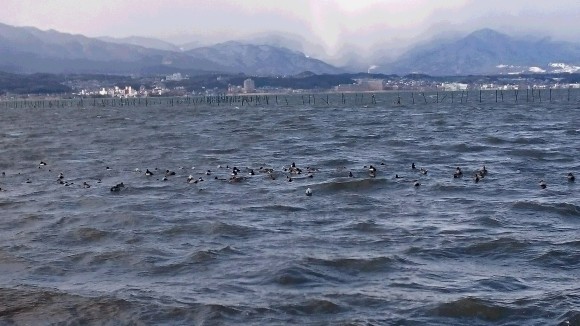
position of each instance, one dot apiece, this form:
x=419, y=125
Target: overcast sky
x=333, y=25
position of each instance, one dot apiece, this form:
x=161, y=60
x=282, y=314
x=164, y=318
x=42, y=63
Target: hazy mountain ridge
x=146, y=42
x=261, y=59
x=483, y=52
x=30, y=50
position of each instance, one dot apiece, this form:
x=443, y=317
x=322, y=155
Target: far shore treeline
x=55, y=84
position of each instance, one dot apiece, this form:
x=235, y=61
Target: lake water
x=362, y=250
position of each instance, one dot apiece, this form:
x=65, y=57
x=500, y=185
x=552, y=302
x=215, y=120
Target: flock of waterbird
x=290, y=172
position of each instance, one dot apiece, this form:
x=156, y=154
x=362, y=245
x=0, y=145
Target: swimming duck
x=148, y=173
x=458, y=173
x=294, y=169
x=236, y=178
x=308, y=192
x=265, y=170
x=543, y=184
x=372, y=171
x=483, y=171
x=117, y=187
x=571, y=177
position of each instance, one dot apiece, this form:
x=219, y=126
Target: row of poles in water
x=323, y=99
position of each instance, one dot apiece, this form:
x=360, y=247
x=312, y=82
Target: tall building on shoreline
x=249, y=86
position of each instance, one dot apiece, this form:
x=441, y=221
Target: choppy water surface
x=359, y=251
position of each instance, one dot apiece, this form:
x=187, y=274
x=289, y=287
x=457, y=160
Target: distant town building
x=372, y=84
x=174, y=77
x=234, y=89
x=362, y=85
x=453, y=87
x=249, y=86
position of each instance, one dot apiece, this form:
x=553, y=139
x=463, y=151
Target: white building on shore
x=249, y=86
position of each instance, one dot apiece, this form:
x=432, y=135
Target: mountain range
x=485, y=52
x=30, y=50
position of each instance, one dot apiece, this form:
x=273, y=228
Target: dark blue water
x=360, y=251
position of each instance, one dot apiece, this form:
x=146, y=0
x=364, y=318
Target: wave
x=188, y=263
x=274, y=208
x=358, y=265
x=495, y=140
x=528, y=141
x=202, y=256
x=229, y=230
x=474, y=308
x=468, y=148
x=353, y=185
x=496, y=247
x=220, y=151
x=562, y=259
x=365, y=227
x=210, y=228
x=503, y=284
x=312, y=307
x=297, y=276
x=490, y=221
x=571, y=317
x=532, y=153
x=87, y=234
x=32, y=305
x=456, y=186
x=562, y=209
